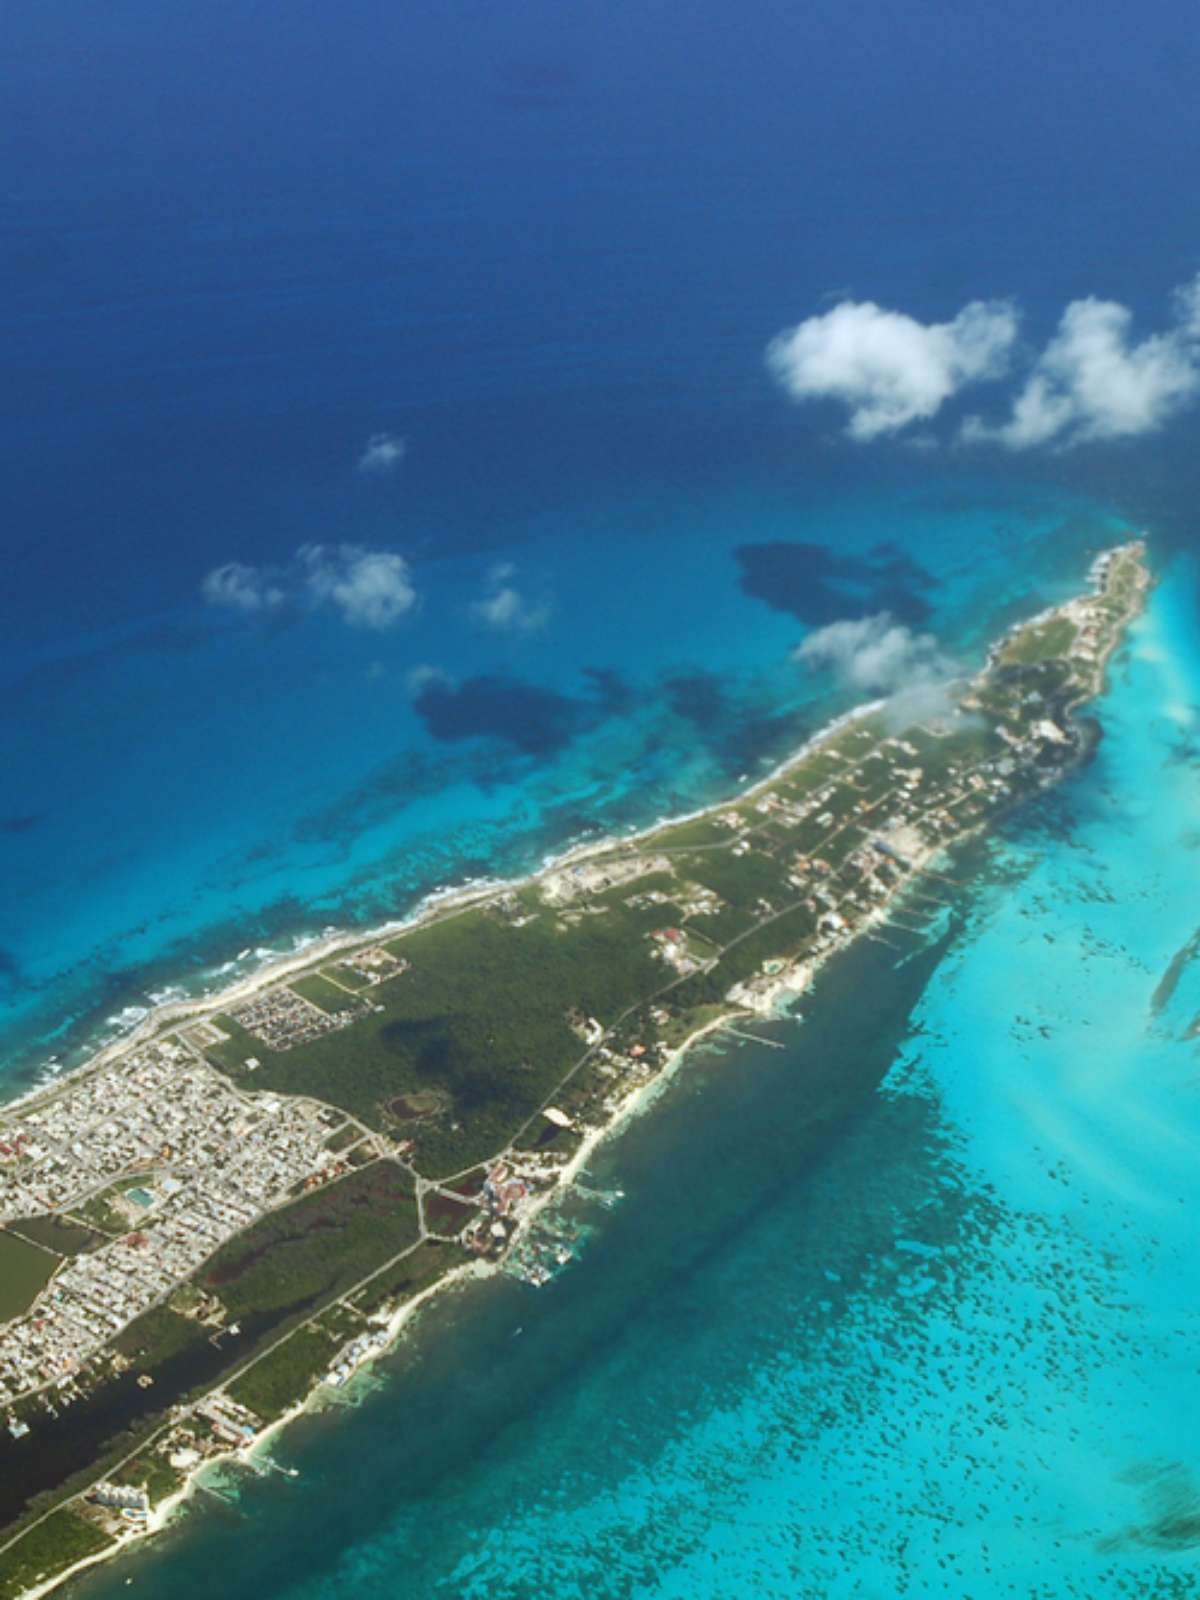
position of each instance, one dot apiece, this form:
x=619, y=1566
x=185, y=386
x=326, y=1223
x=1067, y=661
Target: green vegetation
x=783, y=937
x=101, y=1213
x=658, y=882
x=677, y=1029
x=478, y=1036
x=233, y=1054
x=1041, y=642
x=157, y=1336
x=741, y=881
x=408, y=1277
x=25, y=1270
x=281, y=1377
x=317, y=1248
x=151, y=1471
x=481, y=1019
x=101, y=1461
x=489, y=1025
x=328, y=996
x=343, y=973
x=64, y=1237
x=53, y=1546
x=722, y=926
x=691, y=835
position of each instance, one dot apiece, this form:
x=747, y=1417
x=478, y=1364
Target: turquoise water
x=195, y=784
x=548, y=244
x=904, y=1308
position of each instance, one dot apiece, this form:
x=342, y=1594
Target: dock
x=753, y=1038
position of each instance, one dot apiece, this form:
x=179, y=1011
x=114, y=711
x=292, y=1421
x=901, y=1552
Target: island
x=243, y=1202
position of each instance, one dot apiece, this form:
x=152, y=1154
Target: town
x=160, y=1151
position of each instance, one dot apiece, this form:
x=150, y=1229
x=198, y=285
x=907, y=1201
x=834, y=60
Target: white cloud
x=371, y=588
x=1092, y=382
x=872, y=653
x=888, y=368
x=424, y=676
x=878, y=655
x=243, y=587
x=382, y=454
x=505, y=609
x=1186, y=302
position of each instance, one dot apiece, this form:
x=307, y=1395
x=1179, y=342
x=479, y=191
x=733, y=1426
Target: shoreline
x=635, y=1103
x=434, y=906
x=764, y=1002
x=789, y=984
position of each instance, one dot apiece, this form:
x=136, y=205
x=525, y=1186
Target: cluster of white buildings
x=593, y=877
x=348, y=1360
x=671, y=946
x=143, y=1110
x=282, y=1018
x=172, y=1150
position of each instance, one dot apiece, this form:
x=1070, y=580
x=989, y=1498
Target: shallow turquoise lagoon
x=906, y=1308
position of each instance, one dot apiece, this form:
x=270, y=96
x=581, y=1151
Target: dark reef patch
x=739, y=736
x=535, y=721
x=22, y=824
x=816, y=585
x=698, y=697
x=612, y=692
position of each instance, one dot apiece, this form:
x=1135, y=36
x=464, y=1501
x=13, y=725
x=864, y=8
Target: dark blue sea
x=483, y=293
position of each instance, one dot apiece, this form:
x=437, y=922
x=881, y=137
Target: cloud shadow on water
x=534, y=720
x=816, y=585
x=739, y=735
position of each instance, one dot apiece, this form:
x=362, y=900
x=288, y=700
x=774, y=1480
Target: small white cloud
x=382, y=454
x=1186, y=301
x=242, y=587
x=1093, y=383
x=424, y=676
x=880, y=656
x=505, y=609
x=371, y=588
x=887, y=368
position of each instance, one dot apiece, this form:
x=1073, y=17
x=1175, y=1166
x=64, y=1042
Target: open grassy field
x=57, y=1233
x=322, y=992
x=25, y=1269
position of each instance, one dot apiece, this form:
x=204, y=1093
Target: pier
x=753, y=1038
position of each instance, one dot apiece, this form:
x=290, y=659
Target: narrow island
x=243, y=1202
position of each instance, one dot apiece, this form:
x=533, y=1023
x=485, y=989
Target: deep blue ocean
x=920, y=1324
